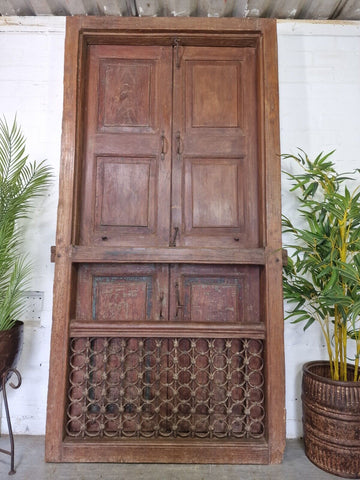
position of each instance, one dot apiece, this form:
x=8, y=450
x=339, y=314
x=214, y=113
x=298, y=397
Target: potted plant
x=322, y=285
x=20, y=183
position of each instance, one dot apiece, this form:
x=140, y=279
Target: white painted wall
x=319, y=73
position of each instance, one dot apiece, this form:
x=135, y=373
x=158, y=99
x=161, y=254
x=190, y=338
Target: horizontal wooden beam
x=165, y=451
x=165, y=330
x=167, y=255
x=254, y=256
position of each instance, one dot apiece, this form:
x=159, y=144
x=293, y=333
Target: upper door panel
x=215, y=158
x=125, y=183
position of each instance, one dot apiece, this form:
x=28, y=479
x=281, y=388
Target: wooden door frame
x=80, y=32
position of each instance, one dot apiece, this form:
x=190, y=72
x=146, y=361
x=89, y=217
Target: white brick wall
x=31, y=73
x=319, y=83
x=319, y=73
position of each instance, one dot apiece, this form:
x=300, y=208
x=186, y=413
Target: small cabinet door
x=113, y=293
x=215, y=294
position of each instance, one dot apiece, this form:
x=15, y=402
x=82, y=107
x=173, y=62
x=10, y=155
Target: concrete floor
x=30, y=465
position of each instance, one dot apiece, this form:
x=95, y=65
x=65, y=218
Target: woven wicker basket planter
x=331, y=420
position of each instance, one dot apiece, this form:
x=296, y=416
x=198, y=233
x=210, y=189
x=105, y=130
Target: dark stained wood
x=184, y=138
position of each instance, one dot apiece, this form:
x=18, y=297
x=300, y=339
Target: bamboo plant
x=321, y=280
x=20, y=183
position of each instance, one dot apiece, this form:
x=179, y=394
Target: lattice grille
x=161, y=387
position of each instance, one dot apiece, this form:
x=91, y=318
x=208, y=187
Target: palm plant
x=322, y=277
x=20, y=183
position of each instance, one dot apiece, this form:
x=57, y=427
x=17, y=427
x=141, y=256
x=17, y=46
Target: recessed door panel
x=216, y=103
x=126, y=94
x=125, y=196
x=214, y=191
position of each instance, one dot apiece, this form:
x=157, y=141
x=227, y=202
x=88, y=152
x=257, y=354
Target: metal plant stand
x=4, y=379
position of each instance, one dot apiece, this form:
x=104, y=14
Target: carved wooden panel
x=219, y=294
x=125, y=187
x=126, y=94
x=124, y=293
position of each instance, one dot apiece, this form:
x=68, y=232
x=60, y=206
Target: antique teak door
x=167, y=329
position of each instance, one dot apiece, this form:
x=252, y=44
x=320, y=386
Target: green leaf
x=309, y=323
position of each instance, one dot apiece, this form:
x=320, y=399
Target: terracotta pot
x=331, y=420
x=11, y=342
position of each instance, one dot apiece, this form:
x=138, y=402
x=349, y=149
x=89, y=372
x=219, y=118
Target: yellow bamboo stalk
x=344, y=360
x=356, y=365
x=337, y=347
x=326, y=332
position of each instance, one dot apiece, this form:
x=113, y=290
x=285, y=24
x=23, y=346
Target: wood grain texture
x=215, y=294
x=215, y=166
x=63, y=277
x=124, y=188
x=273, y=304
x=186, y=452
x=256, y=256
x=166, y=329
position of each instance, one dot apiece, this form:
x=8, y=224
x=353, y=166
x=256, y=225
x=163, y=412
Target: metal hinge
x=177, y=52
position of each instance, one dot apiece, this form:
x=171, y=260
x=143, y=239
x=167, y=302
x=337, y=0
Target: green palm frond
x=20, y=183
x=12, y=303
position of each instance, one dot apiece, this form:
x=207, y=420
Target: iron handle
x=162, y=297
x=173, y=240
x=179, y=144
x=179, y=305
x=163, y=146
x=177, y=52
